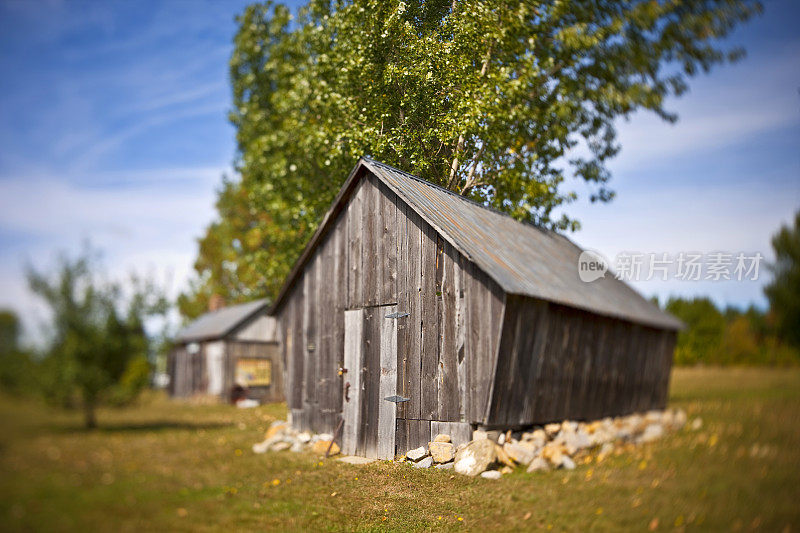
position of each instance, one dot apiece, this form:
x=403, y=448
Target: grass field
x=168, y=466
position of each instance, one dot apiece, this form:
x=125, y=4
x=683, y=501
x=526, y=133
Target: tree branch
x=453, y=181
x=473, y=166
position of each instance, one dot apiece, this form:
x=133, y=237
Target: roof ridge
x=457, y=195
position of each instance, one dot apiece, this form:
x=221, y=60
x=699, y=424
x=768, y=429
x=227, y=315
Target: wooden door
x=370, y=364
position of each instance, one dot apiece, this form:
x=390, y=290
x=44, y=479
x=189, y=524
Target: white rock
x=567, y=463
x=479, y=434
x=424, y=463
x=635, y=422
x=539, y=464
x=280, y=446
x=441, y=437
x=601, y=436
x=538, y=437
x=552, y=429
x=653, y=417
x=475, y=457
x=521, y=452
x=417, y=453
x=442, y=452
x=568, y=426
x=679, y=419
x=491, y=474
x=445, y=466
x=297, y=446
x=652, y=432
x=573, y=441
x=261, y=447
x=304, y=437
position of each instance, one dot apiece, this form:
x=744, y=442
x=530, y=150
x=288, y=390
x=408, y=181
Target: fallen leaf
x=653, y=524
x=527, y=515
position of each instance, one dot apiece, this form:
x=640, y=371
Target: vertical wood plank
x=370, y=263
x=460, y=432
x=449, y=397
x=355, y=281
x=310, y=341
x=388, y=382
x=413, y=323
x=429, y=389
x=339, y=305
x=388, y=208
x=353, y=358
x=370, y=379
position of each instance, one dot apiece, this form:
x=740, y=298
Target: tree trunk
x=89, y=418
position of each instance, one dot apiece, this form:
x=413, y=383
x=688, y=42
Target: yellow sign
x=254, y=372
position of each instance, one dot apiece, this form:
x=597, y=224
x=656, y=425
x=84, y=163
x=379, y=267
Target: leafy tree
x=9, y=331
x=784, y=290
x=98, y=350
x=732, y=337
x=702, y=339
x=16, y=366
x=222, y=272
x=500, y=101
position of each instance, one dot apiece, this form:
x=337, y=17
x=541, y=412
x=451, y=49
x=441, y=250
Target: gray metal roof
x=217, y=324
x=523, y=259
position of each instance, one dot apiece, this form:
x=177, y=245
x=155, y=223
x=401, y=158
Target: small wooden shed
x=230, y=346
x=414, y=311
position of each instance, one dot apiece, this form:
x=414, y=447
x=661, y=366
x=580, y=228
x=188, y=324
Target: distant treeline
x=729, y=336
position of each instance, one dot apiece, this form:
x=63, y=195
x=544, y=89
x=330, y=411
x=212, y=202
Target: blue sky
x=113, y=128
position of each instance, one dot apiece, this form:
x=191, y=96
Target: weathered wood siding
x=380, y=252
x=557, y=363
x=187, y=372
x=236, y=349
x=260, y=329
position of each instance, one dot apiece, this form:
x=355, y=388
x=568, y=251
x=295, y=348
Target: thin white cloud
x=733, y=105
x=149, y=225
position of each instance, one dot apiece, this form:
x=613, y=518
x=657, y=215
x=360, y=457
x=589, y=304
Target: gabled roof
x=523, y=259
x=218, y=324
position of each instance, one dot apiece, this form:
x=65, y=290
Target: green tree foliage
x=16, y=366
x=9, y=331
x=500, y=101
x=218, y=263
x=732, y=337
x=784, y=290
x=705, y=327
x=98, y=351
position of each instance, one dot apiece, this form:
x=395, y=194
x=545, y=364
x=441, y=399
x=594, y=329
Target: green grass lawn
x=169, y=466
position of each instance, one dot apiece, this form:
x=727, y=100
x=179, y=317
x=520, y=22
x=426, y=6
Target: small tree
x=700, y=342
x=784, y=290
x=98, y=351
x=16, y=367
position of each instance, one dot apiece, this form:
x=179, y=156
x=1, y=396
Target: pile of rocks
x=280, y=436
x=490, y=454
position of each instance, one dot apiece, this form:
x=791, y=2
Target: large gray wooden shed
x=226, y=347
x=410, y=291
